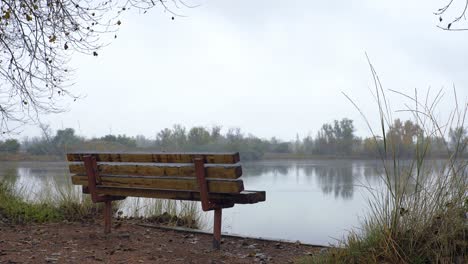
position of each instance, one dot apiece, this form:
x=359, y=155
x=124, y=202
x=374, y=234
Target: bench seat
x=244, y=197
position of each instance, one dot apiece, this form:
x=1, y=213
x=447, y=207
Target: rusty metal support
x=202, y=184
x=208, y=205
x=92, y=172
x=94, y=180
x=107, y=216
x=217, y=228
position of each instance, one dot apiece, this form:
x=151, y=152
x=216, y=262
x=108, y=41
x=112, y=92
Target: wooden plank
x=211, y=158
x=165, y=183
x=187, y=170
x=244, y=197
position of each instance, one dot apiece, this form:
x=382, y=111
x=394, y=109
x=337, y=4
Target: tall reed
x=420, y=214
x=169, y=212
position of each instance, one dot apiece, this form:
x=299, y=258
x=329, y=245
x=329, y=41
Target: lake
x=313, y=201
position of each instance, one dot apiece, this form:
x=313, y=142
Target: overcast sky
x=272, y=68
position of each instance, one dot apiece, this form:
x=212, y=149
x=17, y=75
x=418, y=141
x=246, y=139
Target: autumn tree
x=458, y=139
x=198, y=136
x=336, y=138
x=402, y=137
x=10, y=146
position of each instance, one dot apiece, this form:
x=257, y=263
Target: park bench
x=212, y=178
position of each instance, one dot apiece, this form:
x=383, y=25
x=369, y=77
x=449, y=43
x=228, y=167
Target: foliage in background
x=9, y=146
x=336, y=139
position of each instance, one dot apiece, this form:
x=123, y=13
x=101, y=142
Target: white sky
x=272, y=68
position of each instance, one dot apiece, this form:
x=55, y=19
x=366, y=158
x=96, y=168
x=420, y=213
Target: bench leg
x=217, y=228
x=107, y=216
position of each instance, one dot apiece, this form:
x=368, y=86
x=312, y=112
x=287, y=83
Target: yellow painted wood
x=211, y=158
x=188, y=170
x=165, y=183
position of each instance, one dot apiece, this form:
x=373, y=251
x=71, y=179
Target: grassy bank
x=67, y=203
x=16, y=209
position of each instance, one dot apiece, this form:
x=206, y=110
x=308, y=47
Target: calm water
x=314, y=201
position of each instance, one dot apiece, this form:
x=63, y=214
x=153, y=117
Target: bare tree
x=459, y=15
x=37, y=39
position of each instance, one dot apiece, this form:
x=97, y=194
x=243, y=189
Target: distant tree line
x=335, y=139
x=9, y=146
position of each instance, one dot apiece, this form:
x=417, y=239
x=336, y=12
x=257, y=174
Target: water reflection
x=336, y=178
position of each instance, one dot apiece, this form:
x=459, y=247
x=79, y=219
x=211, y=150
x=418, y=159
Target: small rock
x=251, y=246
x=261, y=256
x=49, y=259
x=124, y=235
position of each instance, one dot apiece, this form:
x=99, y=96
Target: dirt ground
x=132, y=243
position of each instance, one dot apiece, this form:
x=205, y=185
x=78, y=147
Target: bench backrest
x=161, y=171
x=212, y=179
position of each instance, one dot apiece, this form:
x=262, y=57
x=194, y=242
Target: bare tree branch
x=37, y=39
x=458, y=17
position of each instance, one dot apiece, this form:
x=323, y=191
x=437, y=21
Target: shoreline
x=85, y=242
x=232, y=235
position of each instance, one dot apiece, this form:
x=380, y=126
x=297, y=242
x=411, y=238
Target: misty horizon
x=269, y=68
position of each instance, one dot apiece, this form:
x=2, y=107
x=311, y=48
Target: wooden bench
x=212, y=178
